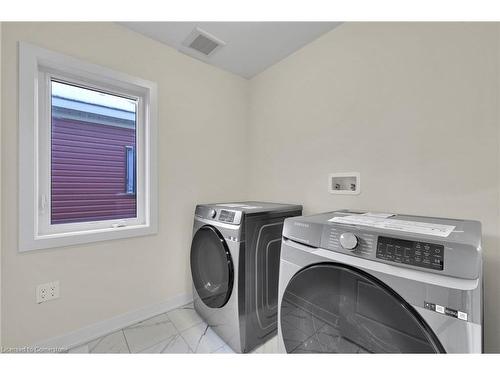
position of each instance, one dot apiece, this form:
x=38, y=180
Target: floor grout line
x=220, y=347
x=126, y=341
x=191, y=326
x=185, y=342
x=169, y=339
x=201, y=338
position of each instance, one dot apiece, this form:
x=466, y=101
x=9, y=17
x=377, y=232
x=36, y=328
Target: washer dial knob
x=348, y=241
x=212, y=214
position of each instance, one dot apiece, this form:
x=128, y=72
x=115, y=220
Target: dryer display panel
x=227, y=216
x=415, y=253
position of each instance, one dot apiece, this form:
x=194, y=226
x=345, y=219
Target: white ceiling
x=251, y=47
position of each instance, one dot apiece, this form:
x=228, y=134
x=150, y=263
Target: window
x=87, y=152
x=130, y=171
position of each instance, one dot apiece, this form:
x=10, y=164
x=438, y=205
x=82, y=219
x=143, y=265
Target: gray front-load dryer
x=235, y=255
x=356, y=283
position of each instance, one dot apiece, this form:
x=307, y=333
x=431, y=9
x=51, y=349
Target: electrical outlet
x=47, y=292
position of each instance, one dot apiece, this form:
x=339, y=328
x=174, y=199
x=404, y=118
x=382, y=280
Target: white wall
x=201, y=109
x=0, y=185
x=413, y=107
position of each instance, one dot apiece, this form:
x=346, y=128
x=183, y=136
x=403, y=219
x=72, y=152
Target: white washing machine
x=353, y=282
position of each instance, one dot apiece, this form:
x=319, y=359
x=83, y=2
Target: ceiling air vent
x=202, y=42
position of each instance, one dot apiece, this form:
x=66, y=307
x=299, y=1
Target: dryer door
x=336, y=308
x=211, y=267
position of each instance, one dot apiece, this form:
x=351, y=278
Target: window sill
x=55, y=240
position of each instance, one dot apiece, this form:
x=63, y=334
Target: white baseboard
x=96, y=330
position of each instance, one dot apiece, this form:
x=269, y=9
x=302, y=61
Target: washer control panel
x=355, y=242
x=420, y=254
x=226, y=216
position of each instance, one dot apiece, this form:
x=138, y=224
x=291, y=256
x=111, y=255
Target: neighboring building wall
x=89, y=172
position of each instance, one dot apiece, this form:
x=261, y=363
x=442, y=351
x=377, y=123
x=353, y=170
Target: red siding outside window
x=90, y=164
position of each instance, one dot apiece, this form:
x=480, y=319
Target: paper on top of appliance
x=378, y=214
x=430, y=229
x=238, y=205
x=232, y=205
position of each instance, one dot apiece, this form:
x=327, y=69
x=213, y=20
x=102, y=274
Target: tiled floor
x=177, y=331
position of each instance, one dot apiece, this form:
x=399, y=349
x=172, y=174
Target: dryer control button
x=212, y=214
x=348, y=241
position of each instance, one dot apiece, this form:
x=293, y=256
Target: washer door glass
x=335, y=308
x=211, y=267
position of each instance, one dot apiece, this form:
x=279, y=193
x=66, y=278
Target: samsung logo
x=299, y=224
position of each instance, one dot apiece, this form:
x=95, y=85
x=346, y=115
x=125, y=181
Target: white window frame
x=37, y=67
